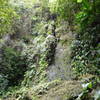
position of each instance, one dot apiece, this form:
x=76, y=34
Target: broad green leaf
x=90, y=85
x=79, y=1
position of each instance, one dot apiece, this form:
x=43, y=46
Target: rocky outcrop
x=61, y=66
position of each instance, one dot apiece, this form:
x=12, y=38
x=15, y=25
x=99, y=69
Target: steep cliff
x=38, y=58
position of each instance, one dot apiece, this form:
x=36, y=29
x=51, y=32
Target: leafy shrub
x=64, y=8
x=38, y=56
x=3, y=84
x=7, y=15
x=35, y=61
x=86, y=55
x=89, y=14
x=12, y=65
x=90, y=90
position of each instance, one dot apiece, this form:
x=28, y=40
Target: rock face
x=61, y=68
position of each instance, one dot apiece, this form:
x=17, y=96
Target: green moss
x=63, y=91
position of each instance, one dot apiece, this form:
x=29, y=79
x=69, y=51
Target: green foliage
x=89, y=13
x=36, y=62
x=88, y=88
x=38, y=57
x=7, y=15
x=86, y=47
x=12, y=65
x=79, y=1
x=32, y=64
x=65, y=9
x=86, y=52
x=3, y=84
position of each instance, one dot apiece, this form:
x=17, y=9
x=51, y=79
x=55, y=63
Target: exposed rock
x=61, y=67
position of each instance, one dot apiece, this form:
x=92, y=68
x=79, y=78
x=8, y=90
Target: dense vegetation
x=29, y=33
x=7, y=14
